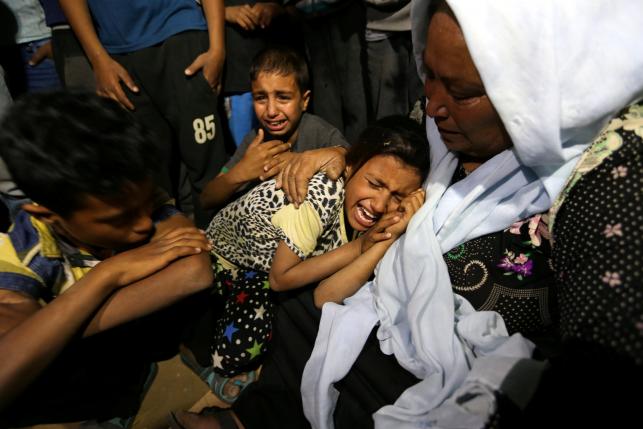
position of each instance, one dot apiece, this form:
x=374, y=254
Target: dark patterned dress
x=597, y=230
x=598, y=249
x=509, y=272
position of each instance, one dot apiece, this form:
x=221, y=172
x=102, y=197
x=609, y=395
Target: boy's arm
x=33, y=336
x=212, y=61
x=250, y=167
x=108, y=72
x=180, y=279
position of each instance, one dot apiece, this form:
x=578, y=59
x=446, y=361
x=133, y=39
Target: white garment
x=31, y=20
x=555, y=72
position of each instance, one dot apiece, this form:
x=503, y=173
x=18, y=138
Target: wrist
x=237, y=175
x=104, y=276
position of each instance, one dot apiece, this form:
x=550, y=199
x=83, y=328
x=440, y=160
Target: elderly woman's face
x=466, y=119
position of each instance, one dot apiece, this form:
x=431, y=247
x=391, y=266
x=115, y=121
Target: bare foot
x=231, y=389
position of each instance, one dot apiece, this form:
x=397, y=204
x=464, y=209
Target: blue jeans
x=41, y=77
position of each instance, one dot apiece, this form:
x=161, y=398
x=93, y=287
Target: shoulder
x=324, y=194
x=315, y=133
x=22, y=267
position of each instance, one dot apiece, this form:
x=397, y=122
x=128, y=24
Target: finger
x=272, y=163
x=177, y=252
x=245, y=22
x=191, y=240
x=380, y=236
x=121, y=97
x=38, y=56
x=176, y=232
x=271, y=172
x=127, y=79
x=258, y=139
x=301, y=185
x=280, y=177
x=271, y=144
x=252, y=16
x=293, y=195
x=278, y=148
x=187, y=242
x=334, y=171
x=196, y=65
x=387, y=221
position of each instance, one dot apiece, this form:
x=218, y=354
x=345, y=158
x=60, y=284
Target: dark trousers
x=181, y=111
x=335, y=48
x=244, y=329
x=103, y=376
x=393, y=81
x=274, y=401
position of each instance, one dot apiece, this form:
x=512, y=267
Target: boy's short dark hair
x=60, y=147
x=397, y=136
x=282, y=61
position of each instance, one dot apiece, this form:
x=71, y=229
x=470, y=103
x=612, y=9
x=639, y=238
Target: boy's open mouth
x=274, y=126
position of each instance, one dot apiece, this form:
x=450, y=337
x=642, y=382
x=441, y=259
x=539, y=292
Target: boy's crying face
x=279, y=104
x=111, y=223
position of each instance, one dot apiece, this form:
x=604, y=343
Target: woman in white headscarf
x=538, y=103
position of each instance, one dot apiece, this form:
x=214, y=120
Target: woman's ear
x=41, y=213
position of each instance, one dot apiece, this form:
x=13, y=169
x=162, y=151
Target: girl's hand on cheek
x=379, y=231
x=408, y=207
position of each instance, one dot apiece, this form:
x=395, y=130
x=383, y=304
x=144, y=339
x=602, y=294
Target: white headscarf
x=556, y=72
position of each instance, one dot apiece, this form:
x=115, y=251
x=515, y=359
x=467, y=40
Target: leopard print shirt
x=243, y=232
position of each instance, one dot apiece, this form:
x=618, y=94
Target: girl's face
x=376, y=188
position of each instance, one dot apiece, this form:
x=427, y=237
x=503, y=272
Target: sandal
x=223, y=416
x=219, y=382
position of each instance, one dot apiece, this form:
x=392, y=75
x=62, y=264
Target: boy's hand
x=212, y=63
x=109, y=74
x=277, y=163
x=244, y=16
x=251, y=166
x=136, y=264
x=265, y=13
x=44, y=51
x=407, y=208
x=296, y=174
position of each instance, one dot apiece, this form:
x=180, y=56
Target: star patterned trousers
x=245, y=326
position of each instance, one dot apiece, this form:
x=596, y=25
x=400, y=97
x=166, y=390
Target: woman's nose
x=435, y=94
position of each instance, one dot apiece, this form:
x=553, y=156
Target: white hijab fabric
x=555, y=72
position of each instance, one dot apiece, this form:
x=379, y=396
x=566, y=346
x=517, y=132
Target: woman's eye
x=374, y=184
x=466, y=98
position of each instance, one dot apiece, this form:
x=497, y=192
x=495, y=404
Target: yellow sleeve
x=302, y=226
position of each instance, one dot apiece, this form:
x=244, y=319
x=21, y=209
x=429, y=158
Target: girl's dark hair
x=60, y=147
x=396, y=136
x=282, y=61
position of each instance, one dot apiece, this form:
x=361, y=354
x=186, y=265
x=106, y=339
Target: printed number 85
x=204, y=129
